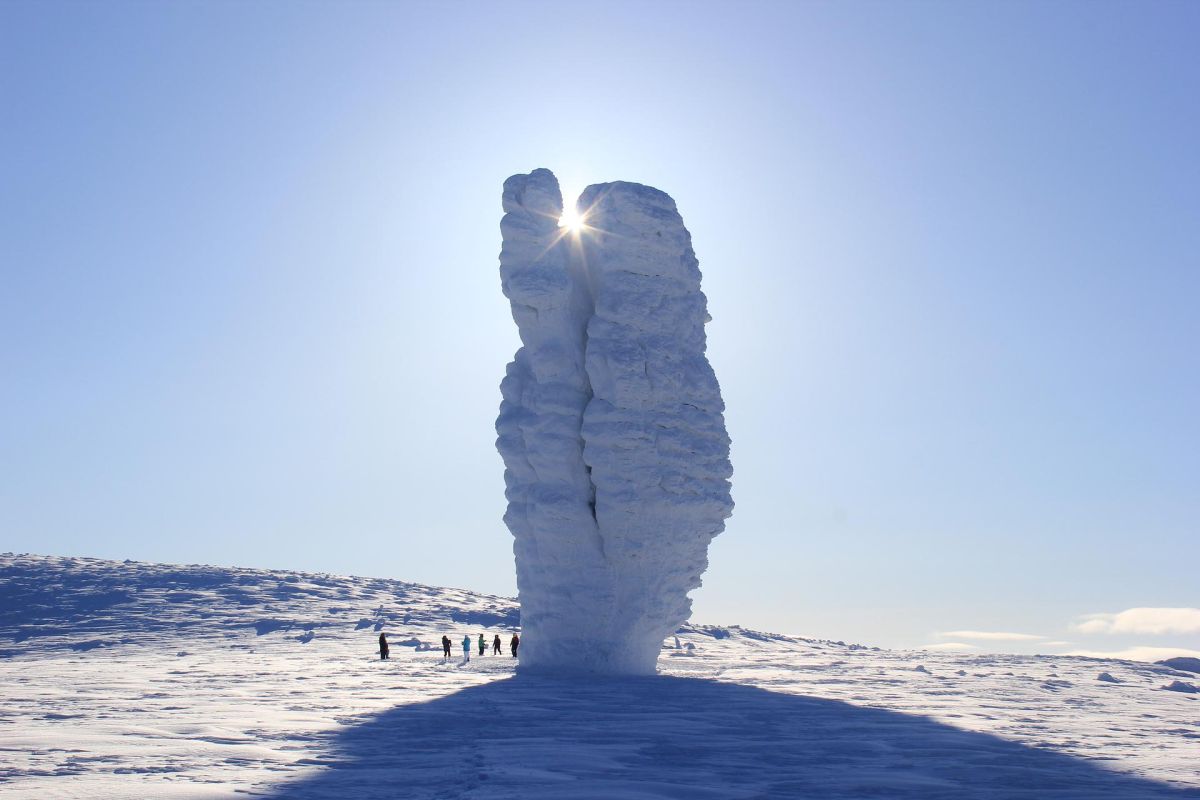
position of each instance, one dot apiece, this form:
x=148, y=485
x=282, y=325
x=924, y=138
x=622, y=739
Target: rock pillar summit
x=611, y=428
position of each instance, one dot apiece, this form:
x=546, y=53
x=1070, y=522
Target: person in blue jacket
x=467, y=647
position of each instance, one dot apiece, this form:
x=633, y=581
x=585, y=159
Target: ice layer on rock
x=611, y=424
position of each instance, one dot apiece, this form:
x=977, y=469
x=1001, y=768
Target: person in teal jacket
x=467, y=647
x=482, y=645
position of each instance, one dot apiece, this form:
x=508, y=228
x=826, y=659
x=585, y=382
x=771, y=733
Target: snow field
x=185, y=698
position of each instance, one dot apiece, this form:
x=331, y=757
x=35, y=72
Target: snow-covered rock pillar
x=611, y=426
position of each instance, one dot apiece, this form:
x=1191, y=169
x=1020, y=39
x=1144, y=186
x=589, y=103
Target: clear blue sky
x=250, y=309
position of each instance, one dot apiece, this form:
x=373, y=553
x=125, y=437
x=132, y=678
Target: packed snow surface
x=129, y=680
x=611, y=424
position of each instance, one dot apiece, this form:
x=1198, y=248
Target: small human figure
x=482, y=645
x=383, y=647
x=514, y=644
x=496, y=649
x=467, y=647
x=445, y=646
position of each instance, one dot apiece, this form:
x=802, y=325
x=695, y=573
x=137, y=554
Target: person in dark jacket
x=383, y=647
x=496, y=649
x=514, y=644
x=445, y=646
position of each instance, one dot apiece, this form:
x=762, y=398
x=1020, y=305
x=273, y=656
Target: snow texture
x=181, y=697
x=611, y=424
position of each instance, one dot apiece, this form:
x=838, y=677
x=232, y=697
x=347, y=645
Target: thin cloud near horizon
x=1141, y=653
x=1142, y=621
x=992, y=636
x=950, y=647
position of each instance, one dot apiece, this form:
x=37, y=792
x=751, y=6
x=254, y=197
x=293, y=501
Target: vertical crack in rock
x=611, y=426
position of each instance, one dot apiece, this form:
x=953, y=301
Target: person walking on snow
x=467, y=647
x=496, y=649
x=383, y=647
x=482, y=645
x=445, y=646
x=514, y=644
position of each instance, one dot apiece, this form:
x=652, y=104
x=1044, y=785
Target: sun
x=571, y=220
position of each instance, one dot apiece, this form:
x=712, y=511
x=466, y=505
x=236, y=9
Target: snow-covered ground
x=130, y=680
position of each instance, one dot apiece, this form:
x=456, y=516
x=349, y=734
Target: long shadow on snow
x=664, y=737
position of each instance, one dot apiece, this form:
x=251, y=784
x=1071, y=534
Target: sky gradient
x=250, y=310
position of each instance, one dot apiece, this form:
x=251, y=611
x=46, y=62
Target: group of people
x=513, y=644
x=497, y=649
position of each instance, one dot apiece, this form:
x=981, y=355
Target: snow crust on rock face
x=611, y=425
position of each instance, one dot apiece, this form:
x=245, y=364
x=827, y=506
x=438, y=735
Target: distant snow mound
x=1181, y=686
x=611, y=425
x=1182, y=663
x=50, y=603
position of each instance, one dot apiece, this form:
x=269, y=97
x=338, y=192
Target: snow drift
x=611, y=428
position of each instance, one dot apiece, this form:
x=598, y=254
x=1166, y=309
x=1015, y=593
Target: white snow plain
x=131, y=680
x=611, y=425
